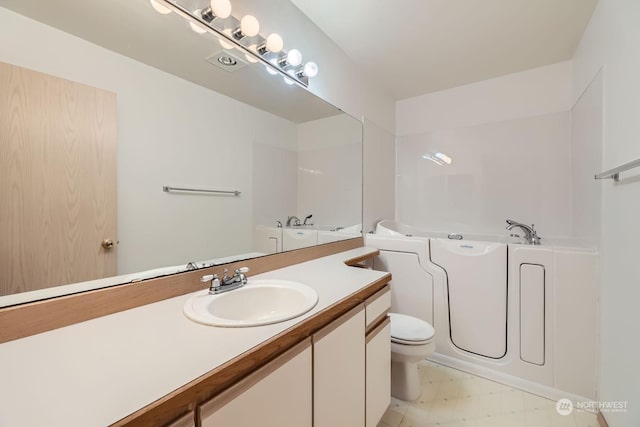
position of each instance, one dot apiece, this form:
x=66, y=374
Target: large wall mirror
x=105, y=103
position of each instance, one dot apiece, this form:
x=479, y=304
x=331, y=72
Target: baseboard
x=601, y=421
x=510, y=380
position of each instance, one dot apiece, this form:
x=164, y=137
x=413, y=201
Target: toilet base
x=405, y=381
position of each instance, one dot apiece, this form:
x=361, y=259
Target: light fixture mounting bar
x=217, y=27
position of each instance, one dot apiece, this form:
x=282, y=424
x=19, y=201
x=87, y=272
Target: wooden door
x=57, y=181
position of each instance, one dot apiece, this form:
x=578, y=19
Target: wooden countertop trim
x=252, y=379
x=356, y=260
x=217, y=380
x=41, y=316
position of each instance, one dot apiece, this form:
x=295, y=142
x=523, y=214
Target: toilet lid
x=407, y=328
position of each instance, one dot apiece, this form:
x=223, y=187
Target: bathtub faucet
x=530, y=235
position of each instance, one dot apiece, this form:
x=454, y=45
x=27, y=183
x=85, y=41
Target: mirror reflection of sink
x=259, y=302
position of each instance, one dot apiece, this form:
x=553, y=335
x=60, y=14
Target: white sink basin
x=259, y=302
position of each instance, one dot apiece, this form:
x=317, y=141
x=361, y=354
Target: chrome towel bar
x=168, y=189
x=615, y=172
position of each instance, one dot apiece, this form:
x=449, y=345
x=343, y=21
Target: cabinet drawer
x=377, y=306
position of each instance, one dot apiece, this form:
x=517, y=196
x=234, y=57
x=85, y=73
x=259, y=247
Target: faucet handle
x=215, y=282
x=240, y=273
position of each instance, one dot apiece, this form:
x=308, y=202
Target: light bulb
x=310, y=69
x=195, y=27
x=249, y=26
x=274, y=43
x=221, y=8
x=160, y=8
x=294, y=57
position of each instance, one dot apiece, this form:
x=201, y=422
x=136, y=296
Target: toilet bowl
x=412, y=340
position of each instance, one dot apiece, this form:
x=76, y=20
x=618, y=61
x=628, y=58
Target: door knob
x=107, y=243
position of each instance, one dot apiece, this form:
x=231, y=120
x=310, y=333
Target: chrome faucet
x=228, y=283
x=192, y=266
x=307, y=218
x=530, y=234
x=293, y=221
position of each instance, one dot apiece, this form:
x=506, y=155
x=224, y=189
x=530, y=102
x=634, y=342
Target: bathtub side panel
x=576, y=321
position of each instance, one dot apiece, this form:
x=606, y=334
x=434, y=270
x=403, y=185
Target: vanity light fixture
x=310, y=69
x=273, y=44
x=249, y=27
x=292, y=58
x=243, y=35
x=217, y=9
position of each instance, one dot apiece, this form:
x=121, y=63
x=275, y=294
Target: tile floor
x=452, y=398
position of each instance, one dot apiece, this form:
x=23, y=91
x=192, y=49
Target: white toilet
x=412, y=340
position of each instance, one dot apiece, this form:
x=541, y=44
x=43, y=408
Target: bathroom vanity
x=150, y=365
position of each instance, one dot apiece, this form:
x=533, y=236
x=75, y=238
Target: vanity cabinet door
x=278, y=394
x=339, y=372
x=378, y=376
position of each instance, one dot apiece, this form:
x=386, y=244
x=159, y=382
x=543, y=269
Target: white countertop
x=97, y=372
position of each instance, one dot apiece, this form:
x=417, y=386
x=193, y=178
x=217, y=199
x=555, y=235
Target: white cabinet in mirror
x=176, y=120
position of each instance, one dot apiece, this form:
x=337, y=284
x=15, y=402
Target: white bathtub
x=547, y=306
x=393, y=228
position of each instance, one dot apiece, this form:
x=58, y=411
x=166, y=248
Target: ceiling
x=413, y=47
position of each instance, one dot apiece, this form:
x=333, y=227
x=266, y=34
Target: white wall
x=339, y=82
x=509, y=139
x=274, y=183
x=516, y=169
x=611, y=42
x=330, y=171
x=529, y=93
x=378, y=191
x=166, y=136
x=586, y=160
